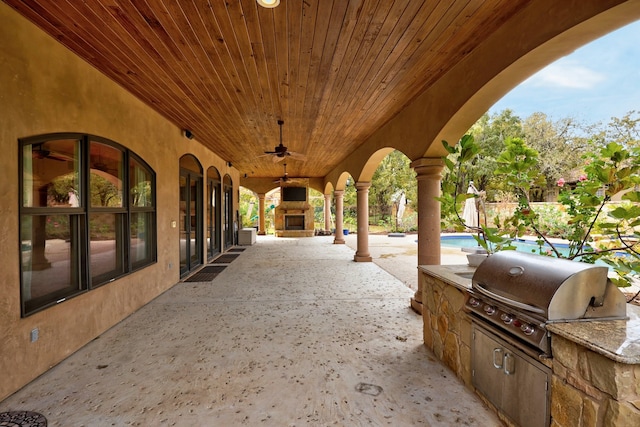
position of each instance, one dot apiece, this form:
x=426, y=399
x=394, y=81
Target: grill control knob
x=489, y=309
x=527, y=329
x=506, y=318
x=473, y=302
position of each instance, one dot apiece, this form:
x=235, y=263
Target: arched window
x=87, y=216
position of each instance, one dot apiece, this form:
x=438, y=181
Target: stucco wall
x=45, y=88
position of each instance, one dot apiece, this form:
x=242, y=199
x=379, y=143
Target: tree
x=393, y=175
x=489, y=133
x=552, y=141
x=624, y=131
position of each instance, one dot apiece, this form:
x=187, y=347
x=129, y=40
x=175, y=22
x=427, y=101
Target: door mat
x=22, y=419
x=207, y=274
x=236, y=249
x=225, y=259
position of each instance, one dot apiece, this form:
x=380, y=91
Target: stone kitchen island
x=595, y=365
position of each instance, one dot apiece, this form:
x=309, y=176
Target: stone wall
x=447, y=330
x=589, y=389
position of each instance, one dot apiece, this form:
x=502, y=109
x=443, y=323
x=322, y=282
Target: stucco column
x=362, y=254
x=338, y=196
x=428, y=171
x=327, y=213
x=261, y=230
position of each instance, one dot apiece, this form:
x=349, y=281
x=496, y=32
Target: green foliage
x=553, y=140
x=104, y=192
x=610, y=170
x=489, y=134
x=248, y=207
x=457, y=166
x=393, y=175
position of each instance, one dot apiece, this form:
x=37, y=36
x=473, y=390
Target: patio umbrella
x=470, y=212
x=402, y=202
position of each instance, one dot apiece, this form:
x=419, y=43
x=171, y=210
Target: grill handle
x=480, y=288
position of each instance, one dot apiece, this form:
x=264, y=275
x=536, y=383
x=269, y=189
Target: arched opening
x=392, y=195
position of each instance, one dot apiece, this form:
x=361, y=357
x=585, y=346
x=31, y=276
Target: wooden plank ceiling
x=333, y=71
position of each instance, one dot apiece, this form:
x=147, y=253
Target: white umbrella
x=401, y=207
x=470, y=212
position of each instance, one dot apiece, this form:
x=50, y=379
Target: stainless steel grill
x=513, y=297
x=520, y=293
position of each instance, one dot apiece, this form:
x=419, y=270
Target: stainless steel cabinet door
x=514, y=382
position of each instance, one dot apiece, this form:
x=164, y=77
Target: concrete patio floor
x=291, y=333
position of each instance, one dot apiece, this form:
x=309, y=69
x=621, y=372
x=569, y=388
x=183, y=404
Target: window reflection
x=50, y=174
x=75, y=238
x=106, y=175
x=106, y=247
x=49, y=247
x=142, y=227
x=139, y=184
x=141, y=237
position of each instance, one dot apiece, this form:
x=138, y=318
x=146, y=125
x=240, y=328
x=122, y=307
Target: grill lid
x=552, y=288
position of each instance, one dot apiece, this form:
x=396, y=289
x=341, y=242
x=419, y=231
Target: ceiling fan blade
x=297, y=156
x=277, y=159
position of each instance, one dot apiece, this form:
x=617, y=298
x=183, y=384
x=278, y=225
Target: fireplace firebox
x=294, y=222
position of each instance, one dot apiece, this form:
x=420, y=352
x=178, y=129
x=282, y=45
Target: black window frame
x=80, y=220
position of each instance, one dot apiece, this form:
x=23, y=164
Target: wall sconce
x=187, y=134
x=229, y=164
x=269, y=4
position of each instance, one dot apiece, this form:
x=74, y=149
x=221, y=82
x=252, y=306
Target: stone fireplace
x=294, y=215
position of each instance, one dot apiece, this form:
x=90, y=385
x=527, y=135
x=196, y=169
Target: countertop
x=456, y=275
x=618, y=340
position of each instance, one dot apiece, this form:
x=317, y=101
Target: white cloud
x=567, y=74
x=596, y=82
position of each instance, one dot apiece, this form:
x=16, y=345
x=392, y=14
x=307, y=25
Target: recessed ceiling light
x=269, y=4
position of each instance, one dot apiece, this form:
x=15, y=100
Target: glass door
x=229, y=227
x=213, y=216
x=191, y=247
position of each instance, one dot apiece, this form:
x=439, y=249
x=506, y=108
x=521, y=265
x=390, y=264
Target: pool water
x=520, y=244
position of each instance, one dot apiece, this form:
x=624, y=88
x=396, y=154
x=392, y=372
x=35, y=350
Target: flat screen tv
x=294, y=194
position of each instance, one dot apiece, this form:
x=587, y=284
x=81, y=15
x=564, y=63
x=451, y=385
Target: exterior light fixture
x=269, y=4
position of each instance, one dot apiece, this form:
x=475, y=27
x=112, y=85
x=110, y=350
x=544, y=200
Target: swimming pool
x=467, y=241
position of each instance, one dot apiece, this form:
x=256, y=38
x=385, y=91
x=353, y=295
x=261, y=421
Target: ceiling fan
x=285, y=177
x=280, y=152
x=39, y=152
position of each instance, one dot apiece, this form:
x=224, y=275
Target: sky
x=596, y=82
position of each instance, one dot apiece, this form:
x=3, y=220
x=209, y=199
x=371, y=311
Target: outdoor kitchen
x=543, y=341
